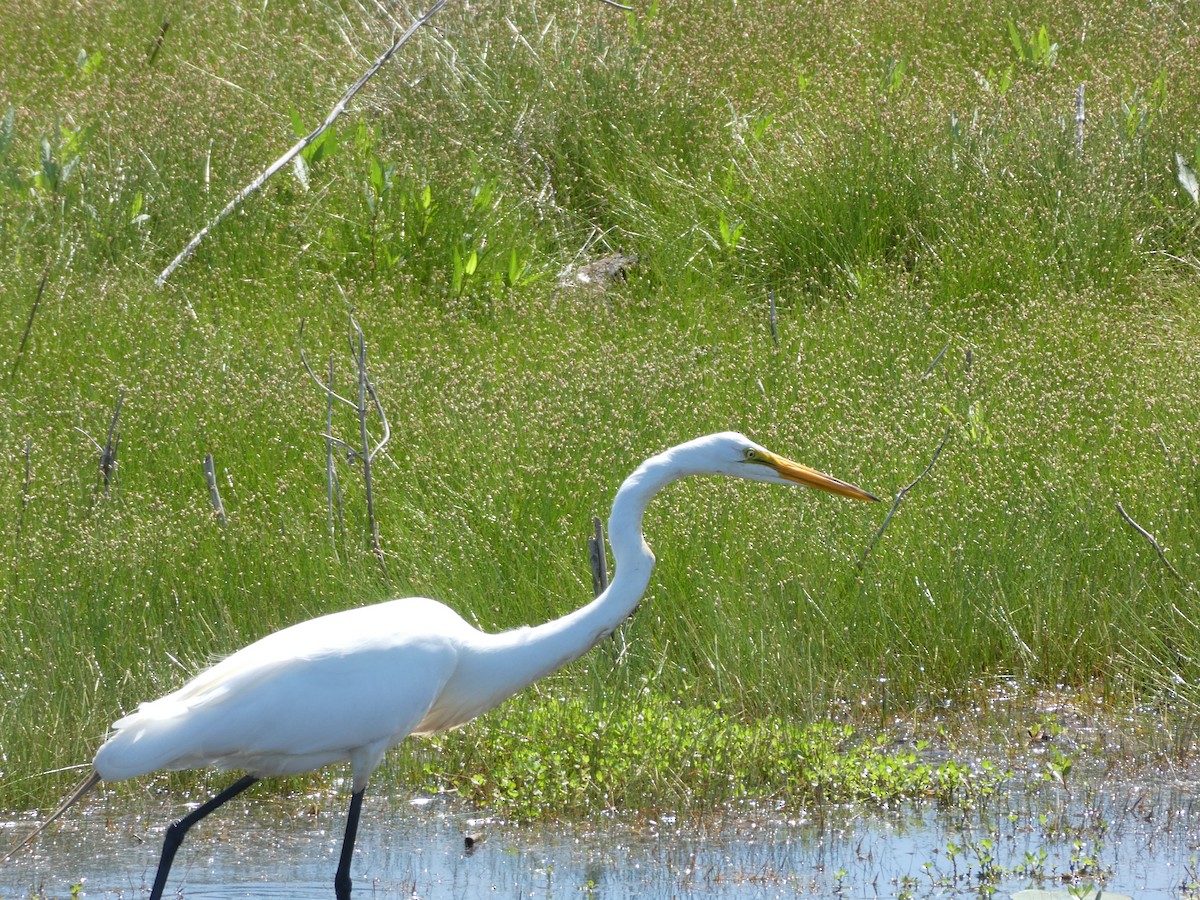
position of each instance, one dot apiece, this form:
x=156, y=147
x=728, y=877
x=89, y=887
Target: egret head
x=730, y=453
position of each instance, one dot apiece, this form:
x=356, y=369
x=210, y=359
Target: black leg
x=177, y=830
x=341, y=881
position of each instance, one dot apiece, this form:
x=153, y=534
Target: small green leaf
x=481, y=196
x=758, y=128
x=377, y=178
x=456, y=272
x=88, y=64
x=1006, y=81
x=1014, y=38
x=364, y=138
x=51, y=175
x=298, y=128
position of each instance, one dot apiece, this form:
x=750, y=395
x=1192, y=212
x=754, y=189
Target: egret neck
x=533, y=652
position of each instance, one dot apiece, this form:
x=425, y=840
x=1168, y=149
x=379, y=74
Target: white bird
x=348, y=686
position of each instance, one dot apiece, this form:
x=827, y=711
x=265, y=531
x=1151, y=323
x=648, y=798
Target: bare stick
x=900, y=496
x=360, y=356
x=327, y=389
x=333, y=488
x=597, y=557
x=214, y=494
x=26, y=490
x=157, y=45
x=772, y=318
x=365, y=452
x=108, y=456
x=29, y=323
x=1079, y=120
x=1153, y=543
x=936, y=361
x=298, y=147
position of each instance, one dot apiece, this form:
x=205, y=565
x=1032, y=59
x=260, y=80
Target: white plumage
x=348, y=686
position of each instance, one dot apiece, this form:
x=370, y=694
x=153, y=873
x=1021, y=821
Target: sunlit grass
x=901, y=188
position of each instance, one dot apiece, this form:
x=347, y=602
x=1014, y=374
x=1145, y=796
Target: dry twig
x=158, y=42
x=1162, y=555
x=597, y=557
x=1080, y=120
x=300, y=145
x=365, y=452
x=937, y=360
x=37, y=299
x=214, y=494
x=773, y=317
x=26, y=489
x=108, y=455
x=901, y=495
x=333, y=488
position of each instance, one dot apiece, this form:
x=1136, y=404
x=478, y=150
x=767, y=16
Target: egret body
x=348, y=686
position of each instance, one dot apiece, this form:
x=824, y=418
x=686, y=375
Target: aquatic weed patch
x=563, y=757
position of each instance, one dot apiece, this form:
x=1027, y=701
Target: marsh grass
x=902, y=187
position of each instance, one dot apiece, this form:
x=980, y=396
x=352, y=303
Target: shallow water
x=1134, y=834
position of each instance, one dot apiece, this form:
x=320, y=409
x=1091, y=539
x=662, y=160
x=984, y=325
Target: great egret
x=350, y=685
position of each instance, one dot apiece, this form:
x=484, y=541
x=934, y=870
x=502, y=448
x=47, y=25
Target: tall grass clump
x=851, y=245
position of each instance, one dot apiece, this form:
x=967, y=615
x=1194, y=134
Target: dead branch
x=1153, y=542
x=313, y=375
x=773, y=317
x=597, y=557
x=158, y=42
x=365, y=389
x=108, y=455
x=936, y=360
x=214, y=494
x=901, y=495
x=26, y=489
x=365, y=452
x=1080, y=120
x=333, y=487
x=300, y=145
x=37, y=299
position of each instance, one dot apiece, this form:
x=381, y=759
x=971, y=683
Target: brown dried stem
x=37, y=299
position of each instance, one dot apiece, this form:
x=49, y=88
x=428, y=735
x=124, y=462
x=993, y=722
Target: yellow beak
x=800, y=474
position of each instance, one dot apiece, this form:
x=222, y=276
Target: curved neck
x=552, y=645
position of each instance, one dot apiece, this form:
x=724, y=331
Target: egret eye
x=750, y=455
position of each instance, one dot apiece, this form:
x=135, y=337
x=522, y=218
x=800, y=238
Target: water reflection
x=1136, y=836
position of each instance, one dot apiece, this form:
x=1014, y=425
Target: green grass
x=901, y=187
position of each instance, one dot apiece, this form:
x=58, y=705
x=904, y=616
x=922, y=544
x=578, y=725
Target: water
x=1132, y=833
